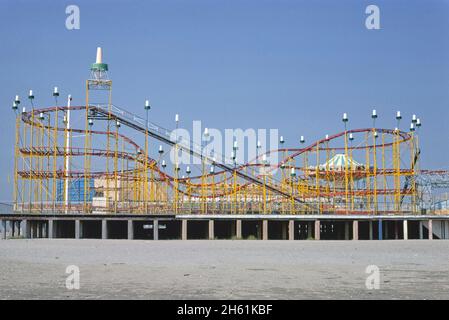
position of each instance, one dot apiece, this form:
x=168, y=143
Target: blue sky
x=292, y=65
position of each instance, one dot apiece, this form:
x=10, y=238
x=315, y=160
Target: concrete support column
x=32, y=230
x=27, y=229
x=104, y=229
x=446, y=229
x=317, y=230
x=32, y=234
x=4, y=229
x=184, y=230
x=155, y=229
x=309, y=230
x=396, y=230
x=238, y=227
x=44, y=229
x=430, y=224
x=211, y=230
x=371, y=230
x=346, y=230
x=19, y=233
x=12, y=226
x=355, y=230
x=405, y=229
x=78, y=231
x=30, y=226
x=130, y=230
x=36, y=229
x=264, y=229
x=380, y=231
x=51, y=229
x=420, y=230
x=39, y=229
x=291, y=230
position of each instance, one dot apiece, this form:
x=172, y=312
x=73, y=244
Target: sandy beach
x=112, y=269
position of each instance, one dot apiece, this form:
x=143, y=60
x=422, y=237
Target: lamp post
x=234, y=156
x=345, y=120
x=15, y=106
x=413, y=160
x=176, y=168
x=396, y=161
x=147, y=108
x=204, y=155
x=292, y=178
x=398, y=119
x=417, y=150
x=283, y=180
x=67, y=147
x=31, y=98
x=188, y=171
x=56, y=94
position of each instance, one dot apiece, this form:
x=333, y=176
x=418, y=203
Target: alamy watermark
x=373, y=280
x=72, y=22
x=235, y=146
x=72, y=282
x=372, y=22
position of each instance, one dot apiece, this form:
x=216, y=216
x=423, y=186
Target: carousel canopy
x=338, y=163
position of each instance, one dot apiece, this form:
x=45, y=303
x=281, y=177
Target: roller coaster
x=100, y=158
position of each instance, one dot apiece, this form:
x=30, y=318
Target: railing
x=182, y=142
x=221, y=207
